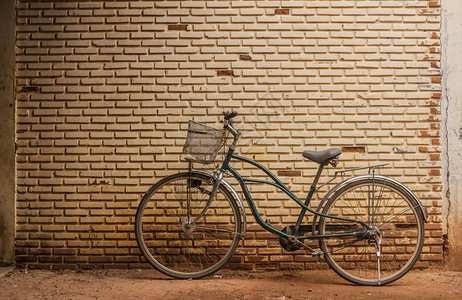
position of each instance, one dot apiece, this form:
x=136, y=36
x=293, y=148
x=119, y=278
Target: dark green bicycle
x=370, y=228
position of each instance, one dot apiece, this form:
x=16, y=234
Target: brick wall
x=105, y=91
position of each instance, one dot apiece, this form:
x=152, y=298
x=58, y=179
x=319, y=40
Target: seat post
x=318, y=175
x=308, y=198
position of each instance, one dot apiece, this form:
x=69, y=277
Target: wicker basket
x=203, y=142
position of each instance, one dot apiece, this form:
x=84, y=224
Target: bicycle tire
x=396, y=217
x=162, y=231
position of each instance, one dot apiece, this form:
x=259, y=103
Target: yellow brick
x=305, y=75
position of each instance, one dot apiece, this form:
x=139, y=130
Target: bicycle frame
x=277, y=183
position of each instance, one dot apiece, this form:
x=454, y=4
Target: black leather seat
x=322, y=157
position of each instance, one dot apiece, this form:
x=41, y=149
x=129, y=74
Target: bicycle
x=370, y=228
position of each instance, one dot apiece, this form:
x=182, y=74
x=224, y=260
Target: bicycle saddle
x=322, y=157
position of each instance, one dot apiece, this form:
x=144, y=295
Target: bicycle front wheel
x=391, y=246
x=180, y=233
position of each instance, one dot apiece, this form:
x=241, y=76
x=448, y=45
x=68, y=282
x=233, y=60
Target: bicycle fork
x=211, y=196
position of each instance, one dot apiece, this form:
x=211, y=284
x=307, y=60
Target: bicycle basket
x=203, y=142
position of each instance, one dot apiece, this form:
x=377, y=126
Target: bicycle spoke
x=389, y=221
x=379, y=198
x=217, y=229
x=345, y=245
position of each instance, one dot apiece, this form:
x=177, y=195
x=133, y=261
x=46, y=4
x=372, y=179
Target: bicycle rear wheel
x=170, y=237
x=392, y=245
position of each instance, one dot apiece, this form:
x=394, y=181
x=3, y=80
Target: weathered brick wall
x=105, y=91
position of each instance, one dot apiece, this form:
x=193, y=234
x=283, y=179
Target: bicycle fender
x=235, y=194
x=357, y=178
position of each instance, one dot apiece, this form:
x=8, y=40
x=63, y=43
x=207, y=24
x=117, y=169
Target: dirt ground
x=149, y=284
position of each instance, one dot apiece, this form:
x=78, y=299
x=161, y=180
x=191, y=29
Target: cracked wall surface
x=452, y=124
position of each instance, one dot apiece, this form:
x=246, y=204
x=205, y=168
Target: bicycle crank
x=291, y=243
x=314, y=253
x=294, y=244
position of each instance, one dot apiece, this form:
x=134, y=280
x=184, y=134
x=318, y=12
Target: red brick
x=281, y=11
x=354, y=149
x=177, y=27
x=225, y=73
x=290, y=173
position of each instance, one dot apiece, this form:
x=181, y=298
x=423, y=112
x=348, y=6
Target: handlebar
x=228, y=124
x=229, y=114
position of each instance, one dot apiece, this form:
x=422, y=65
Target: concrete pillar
x=451, y=110
x=7, y=131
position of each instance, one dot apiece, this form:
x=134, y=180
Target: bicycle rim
x=181, y=248
x=396, y=238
